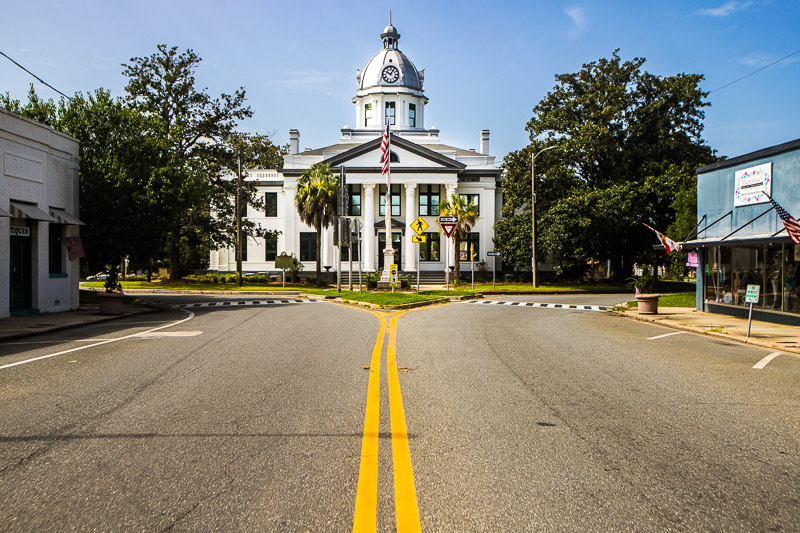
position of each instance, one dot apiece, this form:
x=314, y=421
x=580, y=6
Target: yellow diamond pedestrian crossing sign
x=419, y=226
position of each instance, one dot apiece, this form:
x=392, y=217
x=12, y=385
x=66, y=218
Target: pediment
x=410, y=156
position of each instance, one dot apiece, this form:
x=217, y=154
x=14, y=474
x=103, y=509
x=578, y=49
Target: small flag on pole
x=791, y=224
x=385, y=149
x=668, y=243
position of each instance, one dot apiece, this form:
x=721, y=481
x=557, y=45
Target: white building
x=38, y=211
x=423, y=171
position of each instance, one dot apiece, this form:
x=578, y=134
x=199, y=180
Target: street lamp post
x=533, y=213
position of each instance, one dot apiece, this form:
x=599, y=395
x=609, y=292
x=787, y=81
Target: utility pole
x=533, y=213
x=239, y=223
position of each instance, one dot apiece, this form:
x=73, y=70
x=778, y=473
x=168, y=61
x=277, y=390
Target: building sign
x=751, y=184
x=692, y=259
x=20, y=231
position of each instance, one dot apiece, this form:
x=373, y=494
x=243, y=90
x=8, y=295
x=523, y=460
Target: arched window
x=393, y=158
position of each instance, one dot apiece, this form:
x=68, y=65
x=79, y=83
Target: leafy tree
x=467, y=213
x=627, y=143
x=192, y=127
x=116, y=166
x=315, y=199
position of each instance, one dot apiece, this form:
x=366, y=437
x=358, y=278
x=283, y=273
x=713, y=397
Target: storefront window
x=718, y=275
x=791, y=278
x=748, y=269
x=775, y=269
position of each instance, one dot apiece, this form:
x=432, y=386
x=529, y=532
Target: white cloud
x=578, y=18
x=726, y=9
x=762, y=60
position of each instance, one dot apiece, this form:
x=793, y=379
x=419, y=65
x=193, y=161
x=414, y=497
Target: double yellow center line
x=405, y=493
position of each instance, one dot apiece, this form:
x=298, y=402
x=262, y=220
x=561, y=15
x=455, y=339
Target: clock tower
x=390, y=90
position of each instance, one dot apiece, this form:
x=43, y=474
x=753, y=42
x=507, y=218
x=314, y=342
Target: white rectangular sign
x=750, y=184
x=20, y=231
x=751, y=295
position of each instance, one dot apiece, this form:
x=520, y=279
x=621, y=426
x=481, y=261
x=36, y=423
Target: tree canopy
x=155, y=170
x=192, y=128
x=627, y=145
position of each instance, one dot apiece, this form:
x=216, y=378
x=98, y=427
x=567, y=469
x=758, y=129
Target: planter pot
x=648, y=303
x=110, y=303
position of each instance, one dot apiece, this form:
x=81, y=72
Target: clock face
x=390, y=74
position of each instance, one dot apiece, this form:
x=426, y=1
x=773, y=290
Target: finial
x=390, y=17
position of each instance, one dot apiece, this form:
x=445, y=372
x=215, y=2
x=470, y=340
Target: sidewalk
x=23, y=326
x=777, y=337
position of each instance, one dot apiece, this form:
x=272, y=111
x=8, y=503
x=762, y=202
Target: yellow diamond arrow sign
x=419, y=226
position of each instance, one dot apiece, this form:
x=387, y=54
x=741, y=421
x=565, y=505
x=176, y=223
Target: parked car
x=97, y=277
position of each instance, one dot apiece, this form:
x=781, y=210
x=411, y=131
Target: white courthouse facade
x=423, y=172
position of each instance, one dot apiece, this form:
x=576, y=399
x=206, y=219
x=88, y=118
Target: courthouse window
x=429, y=250
x=367, y=114
x=473, y=239
x=429, y=200
x=354, y=205
x=412, y=115
x=308, y=246
x=395, y=201
x=271, y=243
x=271, y=204
x=474, y=199
x=389, y=117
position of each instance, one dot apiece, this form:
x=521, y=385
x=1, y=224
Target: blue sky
x=486, y=64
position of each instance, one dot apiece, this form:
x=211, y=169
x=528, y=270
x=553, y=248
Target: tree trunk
x=319, y=251
x=175, y=261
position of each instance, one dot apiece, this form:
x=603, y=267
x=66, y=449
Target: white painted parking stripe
x=191, y=316
x=764, y=362
x=666, y=335
x=243, y=303
x=576, y=307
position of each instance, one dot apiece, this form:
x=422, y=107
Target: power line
x=35, y=76
x=754, y=72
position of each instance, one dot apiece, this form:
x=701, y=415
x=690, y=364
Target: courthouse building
x=741, y=239
x=424, y=171
x=38, y=214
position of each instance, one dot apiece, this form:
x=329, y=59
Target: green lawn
x=680, y=299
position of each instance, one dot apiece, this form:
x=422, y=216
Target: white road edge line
x=666, y=335
x=764, y=362
x=191, y=316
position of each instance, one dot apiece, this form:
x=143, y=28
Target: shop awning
x=767, y=238
x=65, y=218
x=23, y=210
x=4, y=213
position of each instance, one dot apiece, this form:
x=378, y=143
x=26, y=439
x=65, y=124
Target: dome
x=390, y=67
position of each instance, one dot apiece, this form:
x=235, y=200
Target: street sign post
x=493, y=254
x=283, y=262
x=751, y=297
x=393, y=280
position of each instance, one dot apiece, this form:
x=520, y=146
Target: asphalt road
x=492, y=418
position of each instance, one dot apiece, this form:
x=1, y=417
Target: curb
x=723, y=336
x=97, y=319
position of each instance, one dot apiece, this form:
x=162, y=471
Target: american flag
x=792, y=226
x=669, y=244
x=385, y=153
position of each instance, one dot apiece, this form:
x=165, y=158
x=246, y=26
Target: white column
x=327, y=244
x=368, y=232
x=409, y=257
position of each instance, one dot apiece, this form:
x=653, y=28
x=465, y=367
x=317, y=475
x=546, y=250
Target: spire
x=390, y=35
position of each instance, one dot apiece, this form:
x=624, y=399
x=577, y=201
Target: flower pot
x=110, y=303
x=648, y=303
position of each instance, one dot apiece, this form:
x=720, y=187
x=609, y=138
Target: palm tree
x=467, y=213
x=315, y=199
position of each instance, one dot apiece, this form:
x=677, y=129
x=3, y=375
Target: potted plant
x=111, y=297
x=646, y=298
